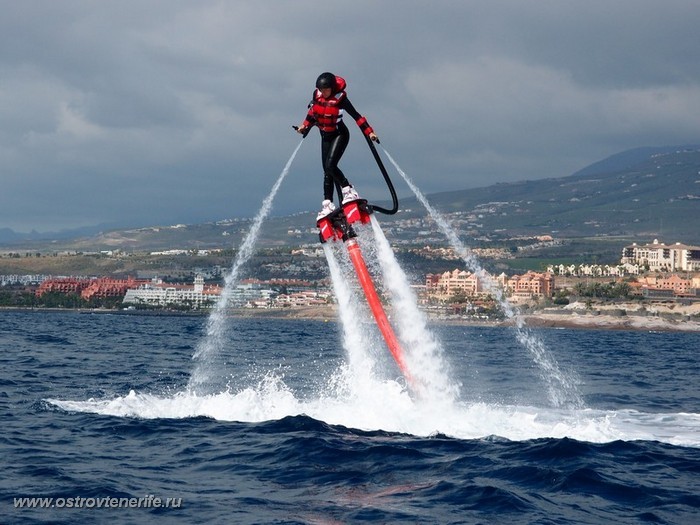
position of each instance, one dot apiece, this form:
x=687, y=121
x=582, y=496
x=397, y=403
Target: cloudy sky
x=169, y=111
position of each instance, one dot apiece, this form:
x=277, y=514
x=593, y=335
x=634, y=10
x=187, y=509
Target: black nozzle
x=296, y=128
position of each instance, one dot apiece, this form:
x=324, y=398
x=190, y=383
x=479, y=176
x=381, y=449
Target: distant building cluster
x=660, y=271
x=638, y=259
x=24, y=280
x=87, y=288
x=158, y=293
x=673, y=285
x=249, y=293
x=594, y=270
x=444, y=286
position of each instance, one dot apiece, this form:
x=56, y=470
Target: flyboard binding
x=337, y=225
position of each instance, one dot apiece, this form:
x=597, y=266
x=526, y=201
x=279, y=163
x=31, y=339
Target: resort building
x=663, y=257
x=450, y=283
x=106, y=287
x=303, y=299
x=158, y=293
x=443, y=286
x=668, y=286
x=87, y=288
x=62, y=285
x=532, y=284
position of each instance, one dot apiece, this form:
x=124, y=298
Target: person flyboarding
x=325, y=111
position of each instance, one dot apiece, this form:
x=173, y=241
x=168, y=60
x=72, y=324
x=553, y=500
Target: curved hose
x=389, y=184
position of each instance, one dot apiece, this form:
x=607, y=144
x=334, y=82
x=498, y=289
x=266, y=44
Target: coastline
x=655, y=316
x=585, y=320
x=686, y=320
x=611, y=322
x=616, y=318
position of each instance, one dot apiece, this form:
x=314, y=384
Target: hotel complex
x=660, y=257
x=158, y=293
x=443, y=286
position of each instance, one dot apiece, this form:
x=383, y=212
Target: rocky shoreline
x=610, y=322
x=656, y=316
x=681, y=320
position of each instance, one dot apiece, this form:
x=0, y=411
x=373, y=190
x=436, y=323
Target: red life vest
x=326, y=110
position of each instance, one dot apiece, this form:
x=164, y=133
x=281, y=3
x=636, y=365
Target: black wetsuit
x=334, y=140
x=333, y=146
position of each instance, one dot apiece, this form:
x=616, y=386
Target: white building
x=663, y=257
x=303, y=298
x=158, y=293
x=251, y=294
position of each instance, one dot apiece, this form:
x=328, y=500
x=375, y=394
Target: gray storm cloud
x=175, y=112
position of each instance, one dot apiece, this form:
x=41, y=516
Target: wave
x=390, y=408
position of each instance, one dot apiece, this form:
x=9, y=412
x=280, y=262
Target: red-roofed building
x=62, y=285
x=106, y=287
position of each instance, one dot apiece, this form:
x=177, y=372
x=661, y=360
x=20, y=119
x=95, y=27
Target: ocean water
x=98, y=421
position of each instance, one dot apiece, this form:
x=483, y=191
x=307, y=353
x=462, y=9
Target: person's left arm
x=361, y=121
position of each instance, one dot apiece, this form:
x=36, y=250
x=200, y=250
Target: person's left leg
x=332, y=152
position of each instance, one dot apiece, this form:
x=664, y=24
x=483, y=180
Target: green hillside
x=659, y=197
x=655, y=195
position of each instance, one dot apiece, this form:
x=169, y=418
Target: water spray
x=213, y=342
x=561, y=387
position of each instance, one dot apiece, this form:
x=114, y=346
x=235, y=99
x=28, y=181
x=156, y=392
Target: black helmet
x=325, y=80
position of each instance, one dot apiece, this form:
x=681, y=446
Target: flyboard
x=338, y=227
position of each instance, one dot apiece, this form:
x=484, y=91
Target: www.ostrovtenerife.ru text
x=149, y=501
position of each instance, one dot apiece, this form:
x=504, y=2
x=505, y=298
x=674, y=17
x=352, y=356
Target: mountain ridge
x=639, y=193
x=629, y=158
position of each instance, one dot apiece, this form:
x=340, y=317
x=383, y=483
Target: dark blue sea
x=99, y=422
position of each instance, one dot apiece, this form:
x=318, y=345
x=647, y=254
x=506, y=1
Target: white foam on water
x=425, y=356
x=388, y=406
